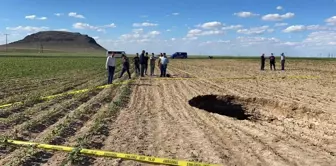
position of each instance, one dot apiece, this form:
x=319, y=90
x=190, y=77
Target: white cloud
x=62, y=29
x=211, y=25
x=27, y=29
x=140, y=30
x=244, y=14
x=175, y=14
x=198, y=32
x=95, y=37
x=255, y=30
x=74, y=14
x=144, y=16
x=277, y=17
x=42, y=18
x=317, y=27
x=33, y=17
x=194, y=31
x=290, y=43
x=58, y=14
x=112, y=25
x=102, y=28
x=331, y=20
x=295, y=28
x=190, y=38
x=279, y=7
x=168, y=30
x=320, y=38
x=139, y=36
x=154, y=33
x=280, y=24
x=173, y=39
x=144, y=24
x=232, y=27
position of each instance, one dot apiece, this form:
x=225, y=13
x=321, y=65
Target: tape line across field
x=125, y=82
x=135, y=157
x=68, y=93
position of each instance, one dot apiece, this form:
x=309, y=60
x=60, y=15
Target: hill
x=56, y=41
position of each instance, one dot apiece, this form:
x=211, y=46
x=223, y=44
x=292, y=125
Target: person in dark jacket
x=136, y=61
x=142, y=63
x=126, y=65
x=262, y=62
x=272, y=61
x=146, y=63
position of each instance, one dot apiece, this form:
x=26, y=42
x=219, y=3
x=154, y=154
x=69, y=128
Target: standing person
x=146, y=63
x=136, y=60
x=152, y=64
x=110, y=67
x=282, y=61
x=263, y=61
x=272, y=61
x=163, y=61
x=126, y=65
x=142, y=63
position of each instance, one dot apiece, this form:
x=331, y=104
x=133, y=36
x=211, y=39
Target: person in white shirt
x=282, y=61
x=163, y=63
x=110, y=67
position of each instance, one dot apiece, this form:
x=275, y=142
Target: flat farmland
x=220, y=111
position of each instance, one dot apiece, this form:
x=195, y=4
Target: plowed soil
x=205, y=113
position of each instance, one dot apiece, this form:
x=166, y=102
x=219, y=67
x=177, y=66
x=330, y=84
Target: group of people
x=140, y=64
x=272, y=61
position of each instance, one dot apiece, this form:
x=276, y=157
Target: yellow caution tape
x=147, y=159
x=70, y=93
x=10, y=104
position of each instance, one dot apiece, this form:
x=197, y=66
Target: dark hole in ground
x=223, y=105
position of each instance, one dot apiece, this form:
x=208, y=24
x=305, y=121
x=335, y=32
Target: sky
x=199, y=27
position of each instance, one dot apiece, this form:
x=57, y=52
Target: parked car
x=117, y=54
x=182, y=55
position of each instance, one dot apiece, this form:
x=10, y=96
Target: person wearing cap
x=282, y=61
x=152, y=64
x=110, y=67
x=262, y=62
x=272, y=61
x=126, y=65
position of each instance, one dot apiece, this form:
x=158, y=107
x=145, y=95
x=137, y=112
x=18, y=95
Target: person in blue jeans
x=110, y=67
x=163, y=63
x=126, y=65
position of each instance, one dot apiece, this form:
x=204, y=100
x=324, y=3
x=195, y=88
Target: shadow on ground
x=223, y=105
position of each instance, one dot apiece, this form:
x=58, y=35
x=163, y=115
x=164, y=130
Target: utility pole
x=6, y=40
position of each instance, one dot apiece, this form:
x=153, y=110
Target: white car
x=117, y=54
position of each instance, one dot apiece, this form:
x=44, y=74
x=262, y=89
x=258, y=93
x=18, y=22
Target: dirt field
x=223, y=112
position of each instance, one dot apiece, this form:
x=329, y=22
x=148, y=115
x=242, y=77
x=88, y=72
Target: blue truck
x=182, y=55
